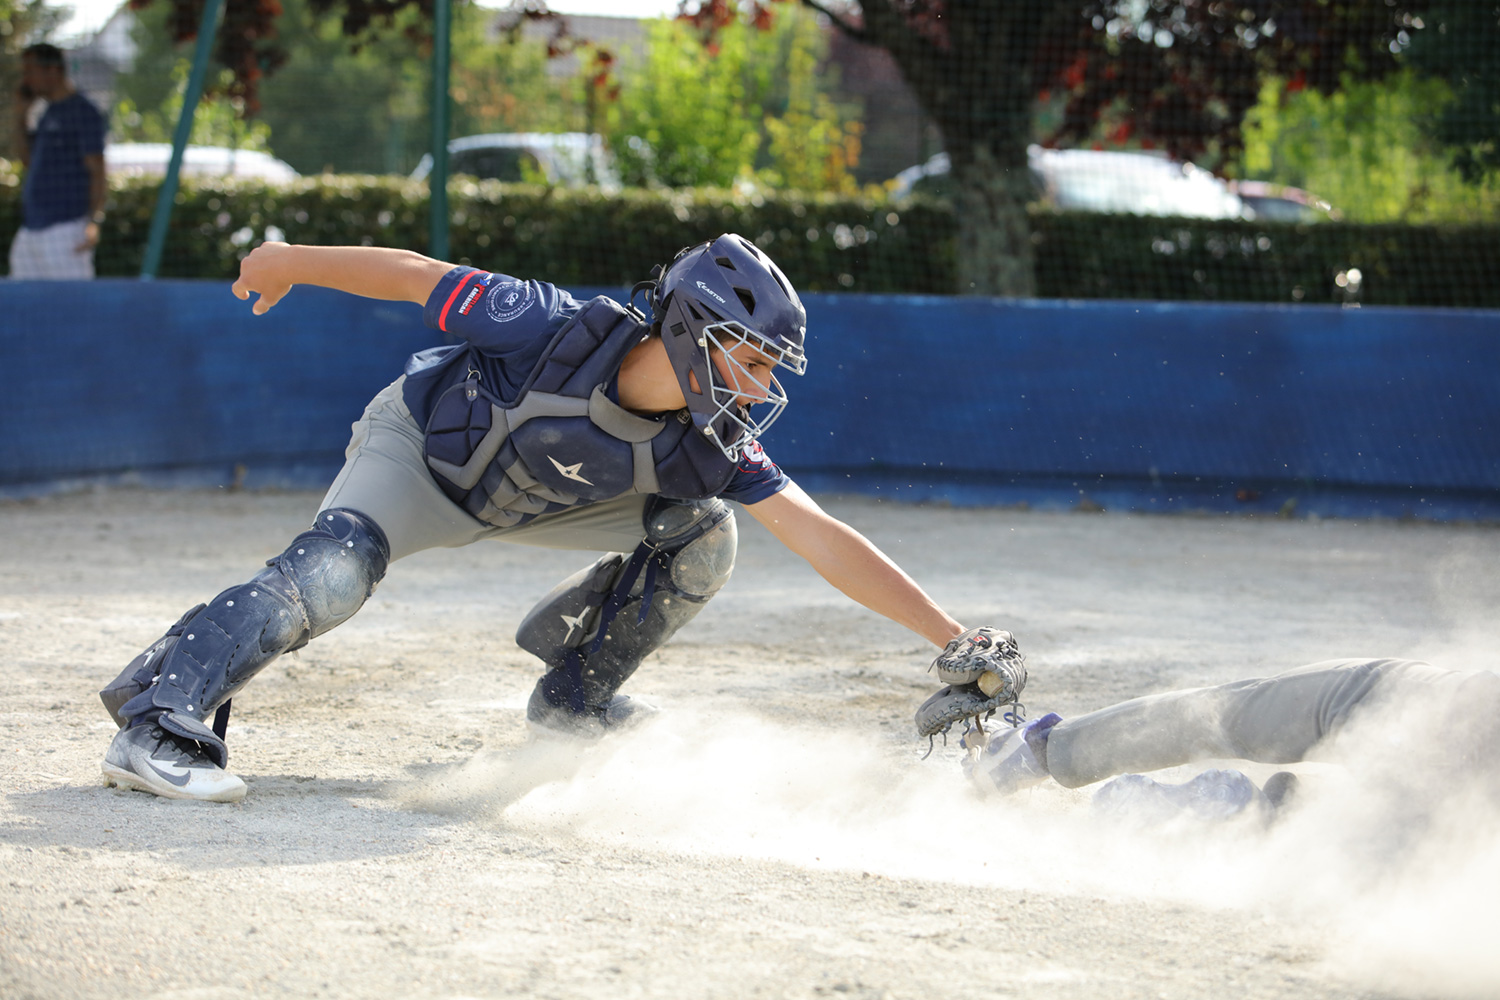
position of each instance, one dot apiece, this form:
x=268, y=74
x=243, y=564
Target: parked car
x=150, y=159
x=568, y=159
x=1092, y=180
x=1280, y=203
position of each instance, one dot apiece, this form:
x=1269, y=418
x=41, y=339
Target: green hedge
x=825, y=243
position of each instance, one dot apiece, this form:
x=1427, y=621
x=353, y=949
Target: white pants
x=52, y=254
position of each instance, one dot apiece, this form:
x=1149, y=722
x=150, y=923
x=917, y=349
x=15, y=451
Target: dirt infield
x=774, y=833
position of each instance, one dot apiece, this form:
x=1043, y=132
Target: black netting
x=1241, y=150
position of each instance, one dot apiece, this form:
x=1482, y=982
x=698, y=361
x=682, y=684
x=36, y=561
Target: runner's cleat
x=1009, y=759
x=150, y=759
x=1213, y=796
x=1281, y=789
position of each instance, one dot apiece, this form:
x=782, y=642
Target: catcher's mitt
x=984, y=669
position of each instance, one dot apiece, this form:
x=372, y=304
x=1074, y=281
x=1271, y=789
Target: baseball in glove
x=983, y=669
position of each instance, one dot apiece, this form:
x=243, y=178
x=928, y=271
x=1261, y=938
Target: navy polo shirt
x=57, y=182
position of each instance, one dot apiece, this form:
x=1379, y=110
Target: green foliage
x=327, y=107
x=749, y=103
x=506, y=85
x=1366, y=148
x=811, y=145
x=688, y=116
x=353, y=106
x=1460, y=43
x=856, y=243
x=1082, y=255
x=217, y=123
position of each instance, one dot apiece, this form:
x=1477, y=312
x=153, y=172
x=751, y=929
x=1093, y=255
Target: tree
x=21, y=23
x=218, y=123
x=750, y=103
x=328, y=105
x=356, y=105
x=1460, y=42
x=1177, y=74
x=1368, y=148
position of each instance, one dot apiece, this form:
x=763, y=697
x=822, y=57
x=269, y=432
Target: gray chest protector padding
x=640, y=601
x=320, y=581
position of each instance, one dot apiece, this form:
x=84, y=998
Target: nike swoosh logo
x=569, y=471
x=177, y=779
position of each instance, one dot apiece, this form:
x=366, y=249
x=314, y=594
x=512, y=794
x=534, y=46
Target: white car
x=1089, y=180
x=150, y=159
x=569, y=159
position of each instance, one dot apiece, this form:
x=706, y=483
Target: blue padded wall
x=123, y=375
x=1159, y=405
x=1146, y=406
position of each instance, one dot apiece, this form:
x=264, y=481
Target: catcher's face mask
x=745, y=391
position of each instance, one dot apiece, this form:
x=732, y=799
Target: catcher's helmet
x=719, y=295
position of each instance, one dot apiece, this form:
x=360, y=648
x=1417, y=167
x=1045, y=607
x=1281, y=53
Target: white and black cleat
x=150, y=759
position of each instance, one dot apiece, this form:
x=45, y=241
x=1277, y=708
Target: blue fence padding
x=1355, y=397
x=1141, y=405
x=119, y=375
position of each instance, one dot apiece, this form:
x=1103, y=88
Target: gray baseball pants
x=1289, y=717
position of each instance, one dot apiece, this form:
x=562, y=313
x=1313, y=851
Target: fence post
x=437, y=181
x=207, y=28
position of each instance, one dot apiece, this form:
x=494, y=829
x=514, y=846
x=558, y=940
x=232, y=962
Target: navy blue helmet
x=714, y=297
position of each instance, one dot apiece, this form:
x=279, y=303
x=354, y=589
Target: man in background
x=62, y=200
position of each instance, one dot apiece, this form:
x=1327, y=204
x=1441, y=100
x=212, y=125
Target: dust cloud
x=1392, y=874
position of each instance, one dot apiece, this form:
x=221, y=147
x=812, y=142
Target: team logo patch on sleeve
x=754, y=456
x=508, y=300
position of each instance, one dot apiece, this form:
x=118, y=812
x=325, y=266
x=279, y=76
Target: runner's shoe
x=1009, y=759
x=622, y=712
x=150, y=759
x=1213, y=796
x=1281, y=790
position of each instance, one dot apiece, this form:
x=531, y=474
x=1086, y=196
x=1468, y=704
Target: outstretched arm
x=852, y=563
x=272, y=269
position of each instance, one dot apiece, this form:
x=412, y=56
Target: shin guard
x=322, y=579
x=594, y=629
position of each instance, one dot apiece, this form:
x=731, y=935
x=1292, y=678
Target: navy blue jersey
x=508, y=323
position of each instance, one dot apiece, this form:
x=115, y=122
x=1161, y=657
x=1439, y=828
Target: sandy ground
x=774, y=833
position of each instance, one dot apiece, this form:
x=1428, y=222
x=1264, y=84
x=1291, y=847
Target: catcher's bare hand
x=268, y=271
x=984, y=669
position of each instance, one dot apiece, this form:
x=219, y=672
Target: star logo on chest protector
x=569, y=471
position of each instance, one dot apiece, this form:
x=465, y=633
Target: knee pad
x=333, y=567
x=697, y=540
x=321, y=579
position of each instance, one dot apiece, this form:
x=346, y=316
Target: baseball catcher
x=543, y=421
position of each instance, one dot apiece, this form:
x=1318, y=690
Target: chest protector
x=562, y=442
